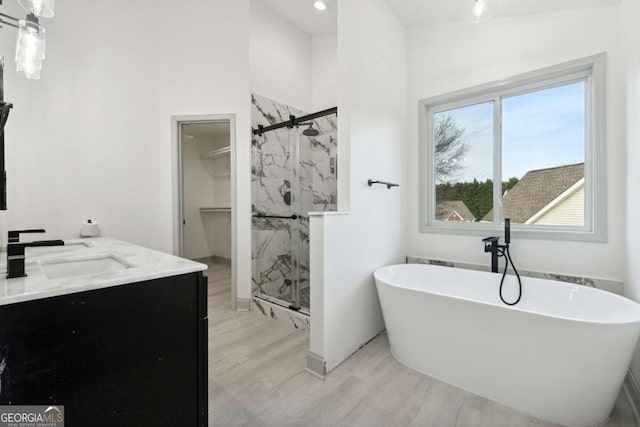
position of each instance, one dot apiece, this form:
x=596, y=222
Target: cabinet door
x=125, y=355
x=203, y=352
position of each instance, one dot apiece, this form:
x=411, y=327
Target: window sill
x=484, y=230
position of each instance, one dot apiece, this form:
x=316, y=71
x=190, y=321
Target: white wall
x=218, y=226
x=289, y=65
x=630, y=39
x=280, y=58
x=198, y=191
x=218, y=234
x=448, y=57
x=92, y=138
x=324, y=72
x=372, y=130
x=205, y=184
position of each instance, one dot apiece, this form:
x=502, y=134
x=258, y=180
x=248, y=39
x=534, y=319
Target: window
x=531, y=148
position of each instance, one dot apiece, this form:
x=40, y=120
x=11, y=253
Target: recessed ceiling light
x=478, y=8
x=320, y=5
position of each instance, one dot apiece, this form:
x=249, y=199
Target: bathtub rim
x=621, y=298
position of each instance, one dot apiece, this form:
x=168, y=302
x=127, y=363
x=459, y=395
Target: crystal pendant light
x=30, y=49
x=40, y=8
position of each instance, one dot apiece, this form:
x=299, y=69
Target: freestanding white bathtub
x=561, y=354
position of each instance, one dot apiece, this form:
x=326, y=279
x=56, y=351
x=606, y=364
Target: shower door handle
x=275, y=216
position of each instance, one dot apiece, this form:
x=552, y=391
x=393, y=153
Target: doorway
x=204, y=191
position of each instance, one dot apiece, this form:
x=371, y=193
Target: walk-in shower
x=293, y=173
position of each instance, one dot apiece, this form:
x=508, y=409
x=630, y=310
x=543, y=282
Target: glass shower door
x=276, y=217
x=296, y=212
x=294, y=173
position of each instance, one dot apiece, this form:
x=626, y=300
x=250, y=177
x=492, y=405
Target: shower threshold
x=285, y=302
x=304, y=298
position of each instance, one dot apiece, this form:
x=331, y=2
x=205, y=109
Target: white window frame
x=592, y=70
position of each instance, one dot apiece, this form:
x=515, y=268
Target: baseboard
x=214, y=259
x=221, y=260
x=243, y=304
x=632, y=392
x=316, y=365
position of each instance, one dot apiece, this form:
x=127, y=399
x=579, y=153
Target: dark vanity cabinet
x=127, y=355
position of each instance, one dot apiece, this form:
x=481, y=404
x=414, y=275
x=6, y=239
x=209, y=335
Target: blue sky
x=539, y=130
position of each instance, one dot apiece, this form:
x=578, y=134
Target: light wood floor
x=257, y=378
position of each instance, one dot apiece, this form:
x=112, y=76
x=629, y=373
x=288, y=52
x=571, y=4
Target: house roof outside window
x=453, y=210
x=537, y=190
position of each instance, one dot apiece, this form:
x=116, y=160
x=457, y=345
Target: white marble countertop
x=143, y=264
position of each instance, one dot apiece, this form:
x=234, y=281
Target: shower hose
x=507, y=259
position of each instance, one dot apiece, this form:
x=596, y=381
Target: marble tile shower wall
x=272, y=177
x=614, y=286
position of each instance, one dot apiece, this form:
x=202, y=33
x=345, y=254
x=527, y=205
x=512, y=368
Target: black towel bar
x=388, y=184
x=275, y=216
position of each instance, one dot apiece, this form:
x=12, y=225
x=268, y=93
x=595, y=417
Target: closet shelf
x=213, y=210
x=224, y=151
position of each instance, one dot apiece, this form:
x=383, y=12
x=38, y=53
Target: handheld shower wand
x=507, y=231
x=507, y=255
x=491, y=244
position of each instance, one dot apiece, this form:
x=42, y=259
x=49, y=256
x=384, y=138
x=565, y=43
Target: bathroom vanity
x=115, y=332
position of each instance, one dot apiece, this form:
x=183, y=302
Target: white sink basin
x=80, y=267
x=55, y=250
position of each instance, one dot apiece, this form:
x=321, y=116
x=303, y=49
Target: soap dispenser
x=89, y=229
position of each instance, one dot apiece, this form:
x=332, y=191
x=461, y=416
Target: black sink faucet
x=491, y=244
x=15, y=251
x=14, y=235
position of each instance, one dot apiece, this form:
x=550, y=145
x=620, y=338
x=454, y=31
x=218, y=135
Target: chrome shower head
x=310, y=131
